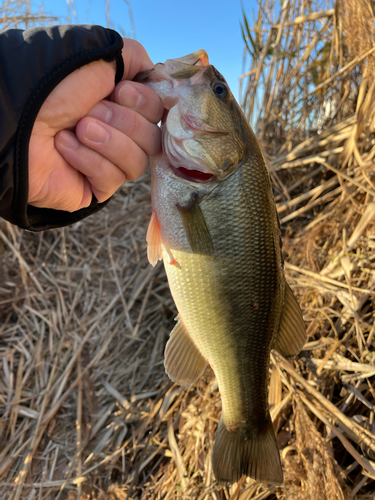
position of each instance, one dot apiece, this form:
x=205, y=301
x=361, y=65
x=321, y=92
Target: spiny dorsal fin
x=195, y=227
x=292, y=331
x=153, y=238
x=183, y=362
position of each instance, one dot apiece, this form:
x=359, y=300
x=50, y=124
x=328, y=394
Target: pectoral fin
x=153, y=238
x=292, y=331
x=183, y=362
x=196, y=228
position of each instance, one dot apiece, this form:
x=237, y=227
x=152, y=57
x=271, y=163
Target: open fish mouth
x=192, y=175
x=179, y=162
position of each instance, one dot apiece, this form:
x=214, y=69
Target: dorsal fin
x=292, y=332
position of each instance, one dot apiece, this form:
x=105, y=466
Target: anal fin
x=292, y=332
x=183, y=362
x=153, y=238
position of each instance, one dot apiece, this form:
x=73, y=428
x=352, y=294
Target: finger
x=104, y=176
x=53, y=183
x=141, y=98
x=113, y=145
x=145, y=134
x=72, y=98
x=135, y=58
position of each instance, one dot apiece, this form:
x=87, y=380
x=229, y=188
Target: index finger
x=142, y=99
x=135, y=58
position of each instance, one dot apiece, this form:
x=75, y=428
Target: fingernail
x=68, y=139
x=96, y=133
x=101, y=112
x=130, y=97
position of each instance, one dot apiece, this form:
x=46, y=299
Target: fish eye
x=220, y=89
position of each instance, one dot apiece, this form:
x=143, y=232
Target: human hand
x=82, y=143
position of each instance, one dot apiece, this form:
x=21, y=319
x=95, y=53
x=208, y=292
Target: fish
x=214, y=223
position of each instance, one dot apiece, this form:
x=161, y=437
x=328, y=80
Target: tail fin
x=240, y=452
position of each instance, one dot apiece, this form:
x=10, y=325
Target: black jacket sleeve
x=32, y=63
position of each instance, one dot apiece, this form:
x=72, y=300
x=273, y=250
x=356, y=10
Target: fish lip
x=143, y=76
x=188, y=119
x=192, y=122
x=181, y=173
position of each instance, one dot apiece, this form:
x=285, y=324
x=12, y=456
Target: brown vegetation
x=86, y=410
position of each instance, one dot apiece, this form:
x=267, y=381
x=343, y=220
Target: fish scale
x=241, y=269
x=215, y=226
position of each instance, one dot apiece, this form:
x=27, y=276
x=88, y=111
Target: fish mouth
x=180, y=165
x=192, y=175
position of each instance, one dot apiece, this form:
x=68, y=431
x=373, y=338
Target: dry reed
x=86, y=410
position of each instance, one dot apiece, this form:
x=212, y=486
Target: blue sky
x=173, y=28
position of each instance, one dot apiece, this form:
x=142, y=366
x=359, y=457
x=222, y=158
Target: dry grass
x=23, y=14
x=86, y=410
x=84, y=322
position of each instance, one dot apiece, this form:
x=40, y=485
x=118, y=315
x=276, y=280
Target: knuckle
x=152, y=141
x=98, y=162
x=156, y=141
x=133, y=125
x=98, y=168
x=137, y=171
x=101, y=195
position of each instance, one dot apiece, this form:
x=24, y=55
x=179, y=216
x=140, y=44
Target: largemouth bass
x=215, y=225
